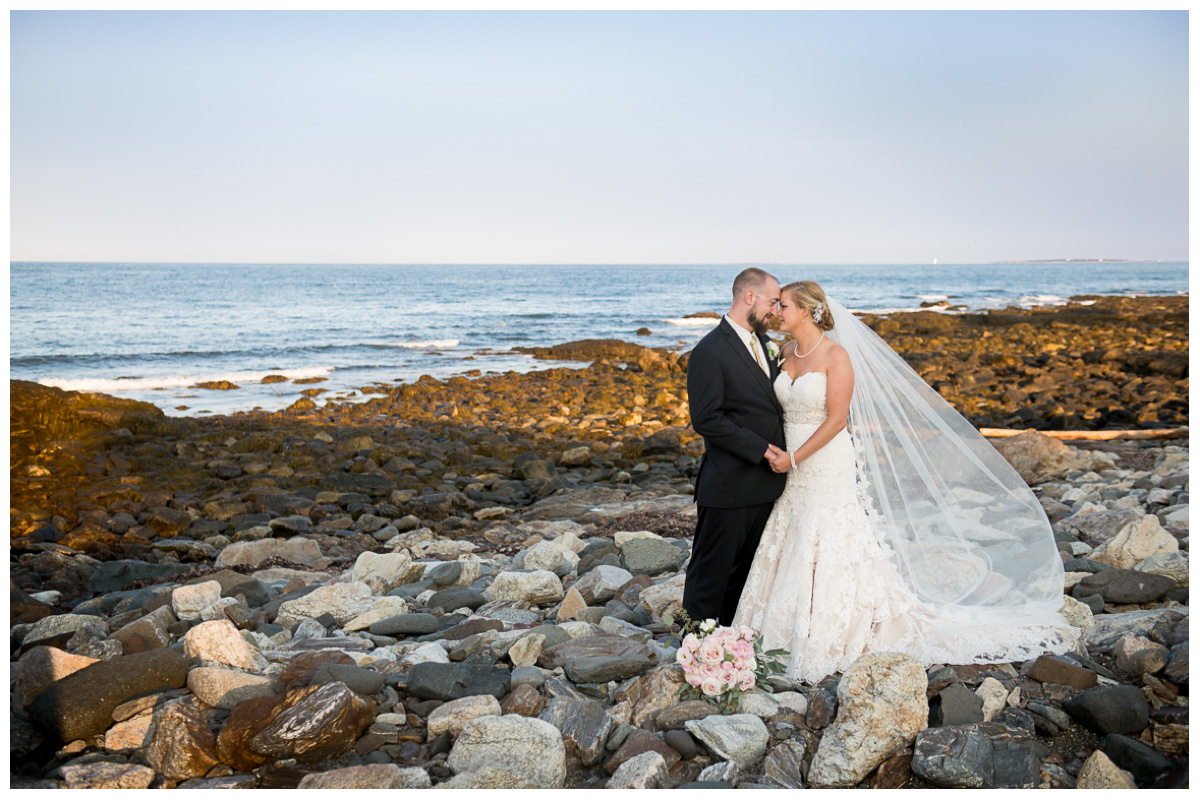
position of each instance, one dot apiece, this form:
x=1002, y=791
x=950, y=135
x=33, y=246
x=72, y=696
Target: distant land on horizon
x=1084, y=261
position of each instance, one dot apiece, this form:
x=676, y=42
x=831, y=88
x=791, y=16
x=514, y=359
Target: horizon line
x=617, y=263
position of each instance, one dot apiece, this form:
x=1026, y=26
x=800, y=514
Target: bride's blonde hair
x=810, y=295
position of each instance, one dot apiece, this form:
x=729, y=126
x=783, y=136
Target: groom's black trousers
x=722, y=552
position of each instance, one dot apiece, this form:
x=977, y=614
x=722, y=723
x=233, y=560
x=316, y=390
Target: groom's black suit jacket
x=734, y=408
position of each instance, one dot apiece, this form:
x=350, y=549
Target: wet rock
x=113, y=576
x=740, y=738
x=40, y=667
x=895, y=772
x=881, y=708
x=1110, y=709
x=601, y=669
x=147, y=633
x=551, y=557
x=221, y=642
x=432, y=681
x=526, y=651
x=1141, y=760
x=181, y=745
x=252, y=554
x=1177, y=666
x=344, y=601
x=472, y=627
x=406, y=625
x=663, y=599
x=645, y=771
x=368, y=776
x=386, y=570
x=1137, y=656
x=1173, y=565
x=635, y=744
x=130, y=734
x=1057, y=716
x=822, y=706
x=1078, y=614
x=1038, y=458
x=994, y=697
x=83, y=627
x=983, y=755
x=81, y=704
x=107, y=775
x=656, y=690
x=531, y=676
x=652, y=556
x=1111, y=628
x=492, y=777
x=1099, y=772
x=382, y=608
x=359, y=680
x=783, y=766
x=682, y=742
x=602, y=582
x=540, y=587
x=452, y=716
x=675, y=717
x=453, y=598
x=1063, y=671
x=1122, y=586
x=524, y=700
x=1136, y=542
x=592, y=647
x=189, y=600
x=309, y=724
x=527, y=747
x=225, y=688
x=584, y=725
x=290, y=525
x=955, y=705
x=571, y=606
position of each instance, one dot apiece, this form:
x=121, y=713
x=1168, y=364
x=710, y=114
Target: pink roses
x=721, y=663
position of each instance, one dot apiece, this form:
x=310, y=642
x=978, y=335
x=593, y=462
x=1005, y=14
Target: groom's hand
x=778, y=459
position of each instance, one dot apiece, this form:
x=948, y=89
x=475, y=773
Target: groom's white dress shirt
x=753, y=345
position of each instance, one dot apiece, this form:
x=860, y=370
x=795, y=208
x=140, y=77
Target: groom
x=730, y=383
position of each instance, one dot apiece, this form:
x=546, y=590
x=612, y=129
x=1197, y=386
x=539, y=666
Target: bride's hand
x=779, y=460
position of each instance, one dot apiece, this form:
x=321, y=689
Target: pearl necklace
x=814, y=347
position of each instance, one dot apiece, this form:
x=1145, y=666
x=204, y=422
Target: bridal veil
x=967, y=534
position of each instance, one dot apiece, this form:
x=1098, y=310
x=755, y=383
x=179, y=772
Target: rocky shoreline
x=463, y=584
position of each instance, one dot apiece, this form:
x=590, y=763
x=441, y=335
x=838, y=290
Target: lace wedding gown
x=824, y=586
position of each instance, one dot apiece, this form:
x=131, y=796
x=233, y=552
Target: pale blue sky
x=798, y=137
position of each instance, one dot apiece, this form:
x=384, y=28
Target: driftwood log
x=1167, y=433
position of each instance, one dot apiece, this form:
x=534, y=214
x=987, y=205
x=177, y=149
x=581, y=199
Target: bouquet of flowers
x=721, y=663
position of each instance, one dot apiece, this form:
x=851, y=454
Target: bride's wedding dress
x=828, y=585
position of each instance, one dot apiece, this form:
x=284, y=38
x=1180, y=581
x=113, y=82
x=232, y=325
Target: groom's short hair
x=748, y=280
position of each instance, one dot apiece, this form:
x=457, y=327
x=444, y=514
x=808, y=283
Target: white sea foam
x=1042, y=300
x=110, y=385
x=432, y=343
x=933, y=297
x=897, y=310
x=694, y=322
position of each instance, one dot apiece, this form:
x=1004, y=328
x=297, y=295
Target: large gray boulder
x=527, y=747
x=881, y=709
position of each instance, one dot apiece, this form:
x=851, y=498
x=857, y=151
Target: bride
x=904, y=532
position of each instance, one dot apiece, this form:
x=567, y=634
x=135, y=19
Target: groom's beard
x=758, y=324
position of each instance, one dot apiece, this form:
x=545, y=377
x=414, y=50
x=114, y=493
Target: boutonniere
x=772, y=350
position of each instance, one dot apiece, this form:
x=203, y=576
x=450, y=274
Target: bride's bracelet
x=792, y=458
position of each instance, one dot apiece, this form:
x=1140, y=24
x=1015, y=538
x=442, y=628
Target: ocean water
x=152, y=331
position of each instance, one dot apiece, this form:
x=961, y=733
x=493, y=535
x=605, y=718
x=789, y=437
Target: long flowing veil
x=966, y=532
